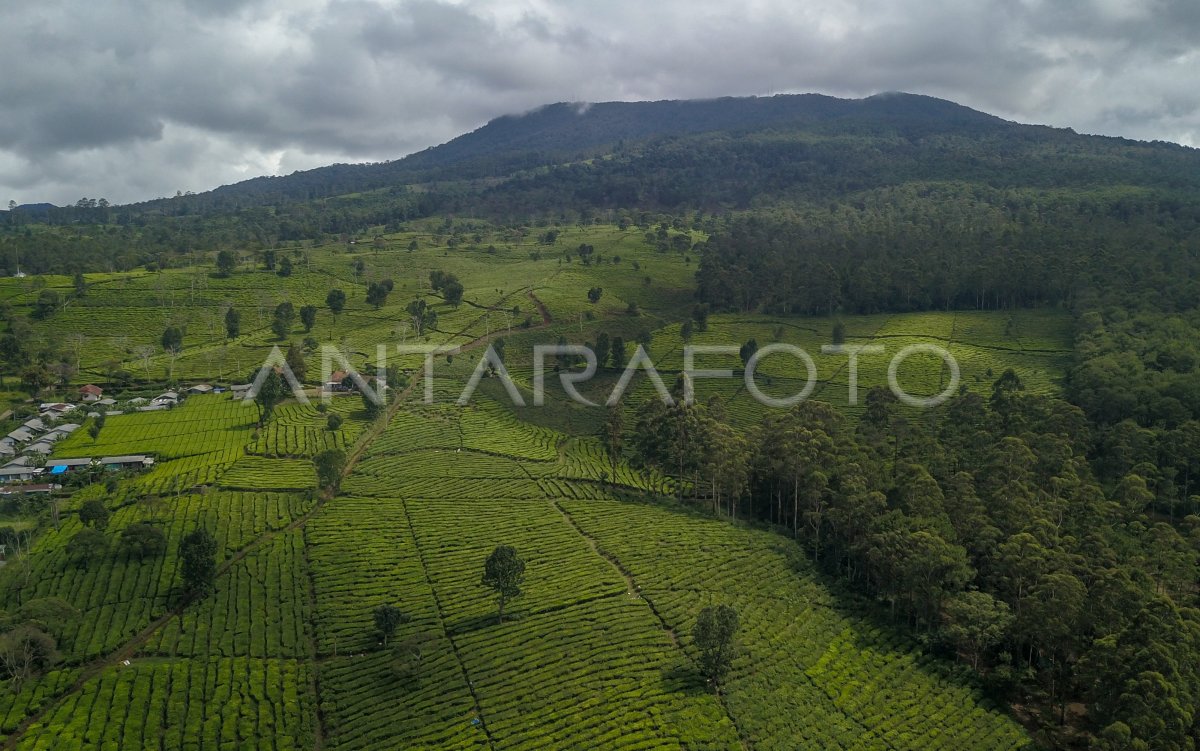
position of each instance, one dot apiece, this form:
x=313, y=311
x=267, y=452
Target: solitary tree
x=295, y=361
x=424, y=317
x=714, y=636
x=197, y=561
x=233, y=323
x=685, y=331
x=172, y=339
x=387, y=619
x=285, y=267
x=93, y=514
x=594, y=294
x=377, y=292
x=86, y=546
x=25, y=652
x=618, y=353
x=601, y=348
x=336, y=300
x=308, y=317
x=747, y=351
x=453, y=292
x=226, y=262
x=285, y=316
x=142, y=541
x=406, y=658
x=503, y=573
x=329, y=464
x=270, y=394
x=839, y=332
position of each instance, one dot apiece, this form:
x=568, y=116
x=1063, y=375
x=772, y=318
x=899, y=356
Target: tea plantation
x=596, y=654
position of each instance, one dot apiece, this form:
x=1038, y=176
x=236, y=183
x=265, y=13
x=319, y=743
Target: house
x=60, y=432
x=106, y=402
x=239, y=391
x=200, y=388
x=132, y=461
x=61, y=466
x=41, y=447
x=56, y=409
x=66, y=429
x=7, y=447
x=21, y=435
x=138, y=400
x=90, y=393
x=167, y=397
x=20, y=469
x=335, y=381
x=48, y=487
x=34, y=425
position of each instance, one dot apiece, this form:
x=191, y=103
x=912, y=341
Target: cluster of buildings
x=37, y=435
x=25, y=448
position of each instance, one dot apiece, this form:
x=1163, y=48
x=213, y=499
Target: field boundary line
x=635, y=590
x=825, y=383
x=445, y=630
x=315, y=673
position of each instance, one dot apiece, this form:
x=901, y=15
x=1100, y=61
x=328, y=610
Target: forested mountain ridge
x=890, y=159
x=567, y=131
x=919, y=133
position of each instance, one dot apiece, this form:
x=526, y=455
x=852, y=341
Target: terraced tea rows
x=195, y=704
x=200, y=425
x=597, y=653
x=179, y=475
x=801, y=647
x=117, y=596
x=298, y=430
x=599, y=674
x=16, y=706
x=261, y=473
x=259, y=609
x=454, y=538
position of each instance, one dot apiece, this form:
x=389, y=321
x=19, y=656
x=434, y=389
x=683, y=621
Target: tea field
x=596, y=654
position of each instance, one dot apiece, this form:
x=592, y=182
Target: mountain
x=36, y=208
x=735, y=152
x=566, y=131
x=889, y=160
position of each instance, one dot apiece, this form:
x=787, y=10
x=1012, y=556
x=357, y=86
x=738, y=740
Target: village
x=26, y=449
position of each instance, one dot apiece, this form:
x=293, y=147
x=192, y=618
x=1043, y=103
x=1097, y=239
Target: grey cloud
x=135, y=99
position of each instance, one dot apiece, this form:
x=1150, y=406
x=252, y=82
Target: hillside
x=569, y=131
x=1012, y=565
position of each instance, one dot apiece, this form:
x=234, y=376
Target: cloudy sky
x=135, y=99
